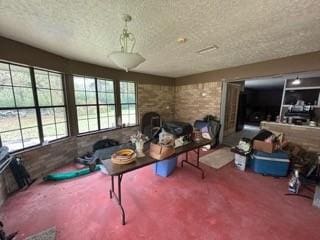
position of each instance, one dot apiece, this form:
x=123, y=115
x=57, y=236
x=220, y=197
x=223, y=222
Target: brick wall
x=156, y=98
x=84, y=143
x=305, y=136
x=184, y=103
x=194, y=101
x=42, y=160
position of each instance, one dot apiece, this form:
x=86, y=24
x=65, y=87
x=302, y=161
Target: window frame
x=114, y=104
x=36, y=105
x=63, y=89
x=136, y=103
x=96, y=105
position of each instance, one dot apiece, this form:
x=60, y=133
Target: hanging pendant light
x=126, y=59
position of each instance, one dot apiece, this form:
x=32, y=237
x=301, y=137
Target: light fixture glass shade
x=297, y=81
x=126, y=60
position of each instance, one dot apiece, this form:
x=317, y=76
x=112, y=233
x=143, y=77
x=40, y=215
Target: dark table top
x=117, y=169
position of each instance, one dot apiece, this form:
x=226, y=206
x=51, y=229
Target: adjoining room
x=258, y=100
x=159, y=120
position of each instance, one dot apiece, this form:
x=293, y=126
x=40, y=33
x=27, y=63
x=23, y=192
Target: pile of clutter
x=263, y=154
x=171, y=136
x=268, y=153
x=176, y=134
x=304, y=166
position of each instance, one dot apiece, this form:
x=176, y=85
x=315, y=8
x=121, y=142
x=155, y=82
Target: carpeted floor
x=227, y=204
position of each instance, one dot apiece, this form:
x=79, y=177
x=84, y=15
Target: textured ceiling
x=246, y=31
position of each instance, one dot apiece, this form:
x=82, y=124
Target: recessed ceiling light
x=208, y=49
x=181, y=40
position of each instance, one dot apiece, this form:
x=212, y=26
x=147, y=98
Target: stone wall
x=194, y=101
x=156, y=98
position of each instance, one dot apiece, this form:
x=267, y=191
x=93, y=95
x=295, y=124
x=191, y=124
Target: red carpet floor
x=227, y=204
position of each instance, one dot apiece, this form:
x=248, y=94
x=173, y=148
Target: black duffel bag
x=178, y=129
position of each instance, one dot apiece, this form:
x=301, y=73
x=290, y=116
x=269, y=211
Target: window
x=86, y=103
x=32, y=110
x=128, y=103
x=107, y=107
x=95, y=103
x=18, y=119
x=51, y=103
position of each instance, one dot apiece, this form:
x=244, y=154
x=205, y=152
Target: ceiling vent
x=208, y=49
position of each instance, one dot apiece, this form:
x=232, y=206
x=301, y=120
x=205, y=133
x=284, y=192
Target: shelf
x=302, y=88
x=288, y=105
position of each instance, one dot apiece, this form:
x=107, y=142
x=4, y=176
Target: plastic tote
x=165, y=167
x=274, y=164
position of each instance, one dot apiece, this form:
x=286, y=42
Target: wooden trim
x=71, y=105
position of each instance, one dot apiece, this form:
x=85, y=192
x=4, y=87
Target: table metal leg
x=185, y=160
x=197, y=165
x=112, y=186
x=118, y=196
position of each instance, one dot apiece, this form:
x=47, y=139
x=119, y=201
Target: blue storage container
x=165, y=167
x=274, y=164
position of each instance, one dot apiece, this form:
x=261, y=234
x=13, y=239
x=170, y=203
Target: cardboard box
x=263, y=146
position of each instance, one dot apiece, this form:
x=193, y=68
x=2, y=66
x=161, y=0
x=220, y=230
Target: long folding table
x=115, y=170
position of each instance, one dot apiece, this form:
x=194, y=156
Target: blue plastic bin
x=165, y=167
x=274, y=164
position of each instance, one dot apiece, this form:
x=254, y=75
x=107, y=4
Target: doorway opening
x=248, y=102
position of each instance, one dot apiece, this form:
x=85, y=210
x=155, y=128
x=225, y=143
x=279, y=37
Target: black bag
x=105, y=143
x=213, y=129
x=263, y=135
x=178, y=129
x=151, y=124
x=20, y=173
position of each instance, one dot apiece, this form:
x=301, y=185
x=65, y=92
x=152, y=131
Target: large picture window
x=95, y=103
x=128, y=103
x=22, y=98
x=18, y=119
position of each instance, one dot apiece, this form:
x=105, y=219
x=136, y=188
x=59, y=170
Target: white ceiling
x=246, y=31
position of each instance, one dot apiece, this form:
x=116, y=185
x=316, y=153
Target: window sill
x=105, y=130
x=37, y=147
